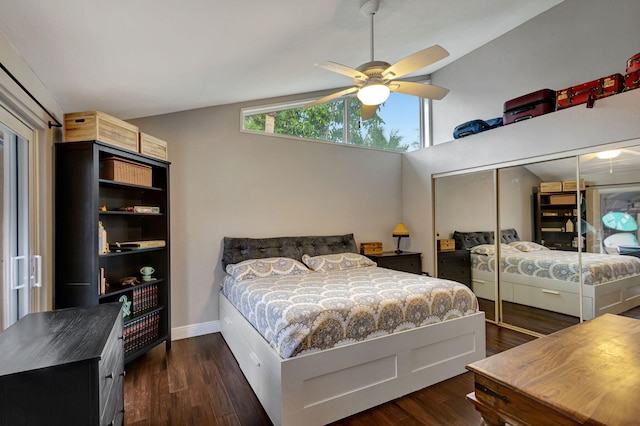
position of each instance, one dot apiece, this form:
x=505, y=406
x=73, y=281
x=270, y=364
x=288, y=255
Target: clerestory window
x=401, y=122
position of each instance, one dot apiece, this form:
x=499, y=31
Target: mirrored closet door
x=465, y=211
x=539, y=263
x=610, y=261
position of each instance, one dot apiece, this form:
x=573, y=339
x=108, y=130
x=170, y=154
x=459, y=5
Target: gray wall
x=228, y=183
x=576, y=41
x=571, y=43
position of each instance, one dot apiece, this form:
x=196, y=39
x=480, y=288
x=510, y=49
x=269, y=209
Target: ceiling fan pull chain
x=372, y=15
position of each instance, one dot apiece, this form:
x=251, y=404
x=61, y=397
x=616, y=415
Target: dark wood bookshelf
x=80, y=194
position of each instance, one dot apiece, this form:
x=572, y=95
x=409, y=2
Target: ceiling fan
x=374, y=80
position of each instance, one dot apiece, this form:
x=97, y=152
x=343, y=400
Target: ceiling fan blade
x=368, y=111
x=331, y=97
x=422, y=90
x=415, y=62
x=342, y=69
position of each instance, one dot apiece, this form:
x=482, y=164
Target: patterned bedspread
x=307, y=313
x=562, y=265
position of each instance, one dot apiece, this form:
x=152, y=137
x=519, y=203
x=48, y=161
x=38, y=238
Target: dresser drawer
x=407, y=263
x=111, y=370
x=455, y=265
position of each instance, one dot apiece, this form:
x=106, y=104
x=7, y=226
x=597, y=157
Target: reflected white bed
x=549, y=279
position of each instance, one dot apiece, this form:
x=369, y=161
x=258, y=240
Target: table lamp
x=400, y=231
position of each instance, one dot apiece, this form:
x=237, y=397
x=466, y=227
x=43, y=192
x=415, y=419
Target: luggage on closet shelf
x=590, y=91
x=528, y=106
x=494, y=122
x=632, y=78
x=633, y=63
x=470, y=128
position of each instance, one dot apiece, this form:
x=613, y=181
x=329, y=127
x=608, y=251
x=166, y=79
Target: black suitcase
x=530, y=105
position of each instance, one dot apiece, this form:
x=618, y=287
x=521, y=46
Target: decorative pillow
x=527, y=246
x=260, y=268
x=490, y=249
x=336, y=262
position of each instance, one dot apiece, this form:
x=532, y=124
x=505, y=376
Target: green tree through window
x=326, y=122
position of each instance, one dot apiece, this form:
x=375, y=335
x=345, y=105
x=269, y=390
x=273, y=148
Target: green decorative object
x=126, y=308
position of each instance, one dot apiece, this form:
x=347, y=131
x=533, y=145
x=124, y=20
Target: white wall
x=228, y=183
x=576, y=41
x=571, y=43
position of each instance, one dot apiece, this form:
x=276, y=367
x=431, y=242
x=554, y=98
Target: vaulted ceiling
x=143, y=57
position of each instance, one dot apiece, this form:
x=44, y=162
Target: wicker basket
x=125, y=171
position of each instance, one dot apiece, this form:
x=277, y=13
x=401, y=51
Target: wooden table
x=588, y=373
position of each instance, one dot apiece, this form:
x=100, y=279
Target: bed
x=550, y=279
x=319, y=379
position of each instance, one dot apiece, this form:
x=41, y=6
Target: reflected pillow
x=490, y=249
x=268, y=267
x=619, y=221
x=620, y=239
x=336, y=262
x=527, y=246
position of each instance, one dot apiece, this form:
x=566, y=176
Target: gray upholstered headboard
x=468, y=240
x=238, y=249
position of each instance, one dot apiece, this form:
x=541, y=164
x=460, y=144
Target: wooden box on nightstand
x=406, y=261
x=455, y=265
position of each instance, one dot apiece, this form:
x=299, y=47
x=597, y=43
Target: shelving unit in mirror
x=555, y=218
x=105, y=249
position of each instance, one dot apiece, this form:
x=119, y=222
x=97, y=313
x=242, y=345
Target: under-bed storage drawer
x=545, y=298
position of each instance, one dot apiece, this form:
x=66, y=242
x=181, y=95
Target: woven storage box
x=96, y=125
x=371, y=248
x=446, y=244
x=153, y=147
x=562, y=199
x=125, y=171
x=551, y=186
x=570, y=185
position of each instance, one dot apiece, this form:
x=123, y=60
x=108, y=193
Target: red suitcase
x=529, y=106
x=633, y=64
x=632, y=80
x=590, y=91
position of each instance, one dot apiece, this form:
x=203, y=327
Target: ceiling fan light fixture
x=373, y=94
x=606, y=155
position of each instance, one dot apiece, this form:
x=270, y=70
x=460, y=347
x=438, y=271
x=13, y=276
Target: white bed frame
x=322, y=387
x=612, y=297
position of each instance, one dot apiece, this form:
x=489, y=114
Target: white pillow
x=490, y=249
x=527, y=246
x=260, y=268
x=621, y=239
x=336, y=262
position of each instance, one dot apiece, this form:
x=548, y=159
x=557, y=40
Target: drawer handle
x=255, y=359
x=109, y=376
x=120, y=337
x=557, y=293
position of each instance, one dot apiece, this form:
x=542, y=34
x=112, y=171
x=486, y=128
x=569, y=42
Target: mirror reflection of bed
x=546, y=285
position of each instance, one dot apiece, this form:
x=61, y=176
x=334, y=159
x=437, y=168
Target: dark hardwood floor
x=199, y=383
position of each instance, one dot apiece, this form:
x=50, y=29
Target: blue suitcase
x=470, y=128
x=495, y=122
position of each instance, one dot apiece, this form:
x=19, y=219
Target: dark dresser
x=63, y=367
x=455, y=265
x=405, y=261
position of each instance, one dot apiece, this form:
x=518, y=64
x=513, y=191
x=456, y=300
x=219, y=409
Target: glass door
x=19, y=269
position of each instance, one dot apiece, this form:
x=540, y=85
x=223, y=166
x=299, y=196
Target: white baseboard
x=194, y=330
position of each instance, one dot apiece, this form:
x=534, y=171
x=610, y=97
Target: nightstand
x=406, y=261
x=455, y=265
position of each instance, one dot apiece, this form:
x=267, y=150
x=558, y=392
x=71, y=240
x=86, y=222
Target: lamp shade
x=400, y=230
x=373, y=94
